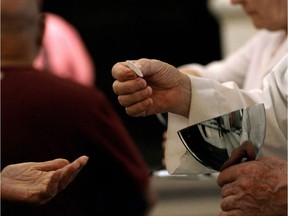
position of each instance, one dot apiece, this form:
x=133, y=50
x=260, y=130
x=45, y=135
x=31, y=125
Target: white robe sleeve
x=211, y=99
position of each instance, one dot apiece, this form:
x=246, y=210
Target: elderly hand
x=257, y=188
x=37, y=183
x=162, y=89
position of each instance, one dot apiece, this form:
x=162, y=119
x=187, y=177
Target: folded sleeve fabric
x=211, y=99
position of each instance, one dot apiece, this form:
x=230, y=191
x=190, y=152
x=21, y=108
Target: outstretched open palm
x=38, y=182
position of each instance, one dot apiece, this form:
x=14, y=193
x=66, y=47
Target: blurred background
x=177, y=32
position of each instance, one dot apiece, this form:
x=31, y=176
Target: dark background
x=177, y=32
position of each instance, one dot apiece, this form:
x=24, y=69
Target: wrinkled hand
x=37, y=183
x=257, y=188
x=162, y=89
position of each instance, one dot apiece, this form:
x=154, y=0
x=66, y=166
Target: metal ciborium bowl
x=211, y=142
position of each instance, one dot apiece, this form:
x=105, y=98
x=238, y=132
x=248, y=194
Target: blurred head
x=267, y=14
x=21, y=30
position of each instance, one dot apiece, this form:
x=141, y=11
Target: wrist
x=183, y=99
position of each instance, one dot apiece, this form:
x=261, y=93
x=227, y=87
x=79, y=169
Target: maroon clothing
x=44, y=117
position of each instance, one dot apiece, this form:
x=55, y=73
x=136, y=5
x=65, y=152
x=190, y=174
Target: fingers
x=245, y=151
x=69, y=172
x=140, y=108
x=130, y=99
x=58, y=180
x=227, y=176
x=128, y=86
x=229, y=189
x=51, y=165
x=52, y=187
x=250, y=151
x=121, y=72
x=82, y=160
x=133, y=94
x=56, y=164
x=232, y=202
x=226, y=204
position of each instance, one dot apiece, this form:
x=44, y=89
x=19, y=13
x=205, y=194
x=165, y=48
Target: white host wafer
x=134, y=68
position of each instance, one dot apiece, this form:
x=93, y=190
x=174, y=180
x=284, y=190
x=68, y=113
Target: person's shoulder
x=48, y=83
x=74, y=96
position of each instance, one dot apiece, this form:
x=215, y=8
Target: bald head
x=19, y=15
x=20, y=30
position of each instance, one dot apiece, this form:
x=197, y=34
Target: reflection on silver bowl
x=211, y=142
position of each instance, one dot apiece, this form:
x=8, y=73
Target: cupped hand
x=38, y=182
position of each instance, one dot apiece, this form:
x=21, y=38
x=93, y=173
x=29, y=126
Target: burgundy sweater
x=44, y=117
